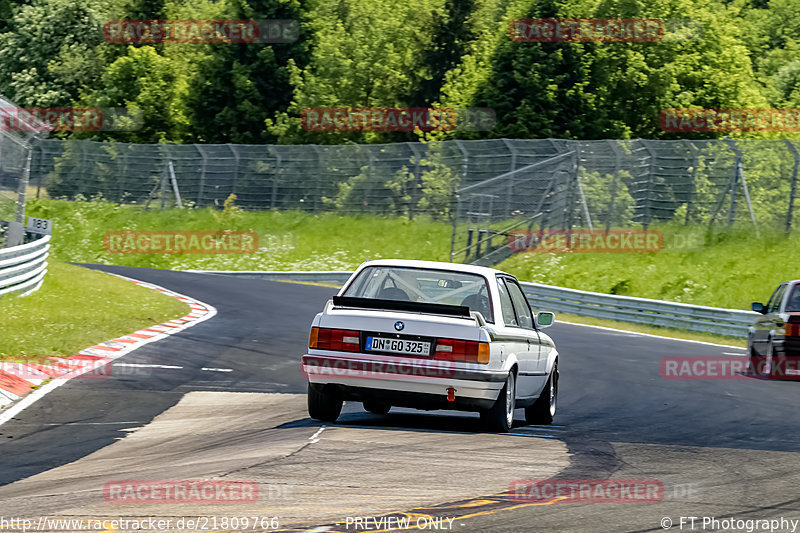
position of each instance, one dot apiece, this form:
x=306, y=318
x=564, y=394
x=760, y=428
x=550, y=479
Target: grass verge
x=727, y=268
x=77, y=308
x=288, y=240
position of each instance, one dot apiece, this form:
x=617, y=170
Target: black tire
x=543, y=410
x=500, y=417
x=324, y=404
x=755, y=363
x=377, y=407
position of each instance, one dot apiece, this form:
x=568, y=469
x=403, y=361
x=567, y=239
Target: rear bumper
x=421, y=384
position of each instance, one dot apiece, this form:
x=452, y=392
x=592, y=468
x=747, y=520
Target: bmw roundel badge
x=399, y=326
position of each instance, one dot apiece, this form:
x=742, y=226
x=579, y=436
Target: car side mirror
x=545, y=319
x=758, y=307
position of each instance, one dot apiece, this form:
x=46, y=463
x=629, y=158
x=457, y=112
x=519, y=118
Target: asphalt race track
x=225, y=400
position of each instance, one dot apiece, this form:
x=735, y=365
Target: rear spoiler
x=402, y=305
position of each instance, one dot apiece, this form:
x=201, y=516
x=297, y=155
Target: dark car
x=773, y=344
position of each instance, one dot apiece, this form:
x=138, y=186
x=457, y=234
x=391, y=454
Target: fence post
x=650, y=165
x=571, y=189
x=22, y=186
x=617, y=164
x=202, y=184
x=734, y=179
x=235, y=167
x=415, y=182
x=693, y=186
x=163, y=188
x=793, y=191
x=318, y=180
x=275, y=177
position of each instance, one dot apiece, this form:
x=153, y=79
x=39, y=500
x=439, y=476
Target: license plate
x=379, y=344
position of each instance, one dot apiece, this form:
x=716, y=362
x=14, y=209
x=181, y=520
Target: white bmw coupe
x=431, y=335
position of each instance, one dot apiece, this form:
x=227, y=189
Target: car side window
x=521, y=307
x=774, y=303
x=793, y=303
x=509, y=318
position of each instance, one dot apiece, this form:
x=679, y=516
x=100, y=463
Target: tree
x=50, y=52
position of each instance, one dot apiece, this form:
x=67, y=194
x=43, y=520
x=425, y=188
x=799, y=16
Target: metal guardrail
x=717, y=320
x=22, y=268
x=700, y=318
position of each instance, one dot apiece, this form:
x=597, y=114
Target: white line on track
x=734, y=353
x=638, y=334
x=217, y=369
x=529, y=435
x=90, y=423
x=141, y=365
x=314, y=438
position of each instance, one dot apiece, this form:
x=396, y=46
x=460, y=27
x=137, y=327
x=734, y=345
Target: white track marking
x=142, y=365
x=636, y=333
x=315, y=437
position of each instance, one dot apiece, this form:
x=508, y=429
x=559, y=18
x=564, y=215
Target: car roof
x=440, y=265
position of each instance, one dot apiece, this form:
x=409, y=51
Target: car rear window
x=423, y=285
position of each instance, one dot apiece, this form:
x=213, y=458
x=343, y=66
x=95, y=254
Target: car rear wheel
x=376, y=407
x=324, y=404
x=500, y=417
x=752, y=360
x=543, y=410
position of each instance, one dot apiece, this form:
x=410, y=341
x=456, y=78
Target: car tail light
x=343, y=340
x=462, y=351
x=792, y=329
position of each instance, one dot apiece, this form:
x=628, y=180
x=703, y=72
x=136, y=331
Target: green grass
x=287, y=240
x=77, y=308
x=731, y=269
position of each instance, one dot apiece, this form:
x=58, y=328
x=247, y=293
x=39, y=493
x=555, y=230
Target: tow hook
x=451, y=394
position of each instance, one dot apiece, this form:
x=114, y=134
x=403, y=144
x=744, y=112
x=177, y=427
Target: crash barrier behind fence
x=22, y=268
x=730, y=322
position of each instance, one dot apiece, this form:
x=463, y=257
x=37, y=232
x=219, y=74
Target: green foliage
x=366, y=53
x=387, y=53
x=50, y=52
